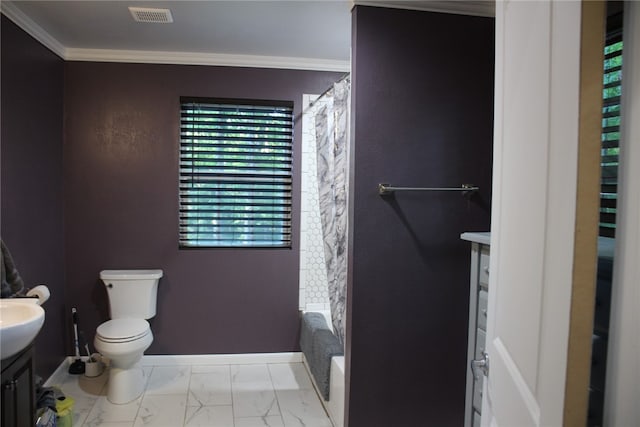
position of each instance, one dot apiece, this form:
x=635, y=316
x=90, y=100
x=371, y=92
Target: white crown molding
x=161, y=57
x=459, y=7
x=34, y=30
x=196, y=58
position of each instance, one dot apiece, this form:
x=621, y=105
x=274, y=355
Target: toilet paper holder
x=41, y=292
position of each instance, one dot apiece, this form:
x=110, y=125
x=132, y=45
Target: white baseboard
x=221, y=359
x=61, y=371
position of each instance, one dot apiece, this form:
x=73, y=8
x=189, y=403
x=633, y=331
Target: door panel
x=533, y=211
x=623, y=359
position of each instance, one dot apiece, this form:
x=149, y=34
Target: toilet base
x=125, y=385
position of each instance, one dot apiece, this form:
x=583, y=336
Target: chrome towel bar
x=388, y=189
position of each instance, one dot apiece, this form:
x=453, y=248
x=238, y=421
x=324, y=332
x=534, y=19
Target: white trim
x=317, y=306
x=459, y=7
x=34, y=30
x=196, y=58
x=221, y=359
x=60, y=373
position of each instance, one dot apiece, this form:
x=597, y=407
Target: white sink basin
x=20, y=322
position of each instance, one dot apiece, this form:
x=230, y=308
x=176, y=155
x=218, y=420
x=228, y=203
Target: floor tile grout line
x=142, y=396
x=92, y=399
x=275, y=394
x=186, y=402
x=233, y=413
x=229, y=369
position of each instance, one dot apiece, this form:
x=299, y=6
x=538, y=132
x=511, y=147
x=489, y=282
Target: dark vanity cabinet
x=18, y=393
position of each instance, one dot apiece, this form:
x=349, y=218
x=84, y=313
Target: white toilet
x=124, y=338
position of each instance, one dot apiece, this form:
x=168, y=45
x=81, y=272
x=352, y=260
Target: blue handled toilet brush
x=77, y=367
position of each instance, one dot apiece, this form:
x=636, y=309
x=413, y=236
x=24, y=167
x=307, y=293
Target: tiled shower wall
x=314, y=295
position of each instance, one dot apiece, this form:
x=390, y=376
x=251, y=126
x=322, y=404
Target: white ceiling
x=306, y=34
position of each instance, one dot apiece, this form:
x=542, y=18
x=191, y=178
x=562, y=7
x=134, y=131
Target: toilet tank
x=132, y=293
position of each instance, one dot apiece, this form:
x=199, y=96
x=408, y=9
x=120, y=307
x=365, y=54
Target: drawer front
x=481, y=337
x=484, y=266
x=483, y=298
x=477, y=394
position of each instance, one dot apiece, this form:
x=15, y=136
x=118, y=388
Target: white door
x=623, y=358
x=533, y=212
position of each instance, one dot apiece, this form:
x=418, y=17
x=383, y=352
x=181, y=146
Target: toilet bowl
x=124, y=338
x=123, y=342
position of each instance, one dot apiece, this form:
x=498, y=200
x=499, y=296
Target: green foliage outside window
x=235, y=174
x=611, y=95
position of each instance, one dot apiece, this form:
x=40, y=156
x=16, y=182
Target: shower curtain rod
x=388, y=189
x=329, y=89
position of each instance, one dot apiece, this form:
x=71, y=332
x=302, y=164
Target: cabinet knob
x=480, y=366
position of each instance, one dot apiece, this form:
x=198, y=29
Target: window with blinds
x=610, y=131
x=235, y=173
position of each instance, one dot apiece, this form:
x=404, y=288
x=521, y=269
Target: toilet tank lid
x=130, y=274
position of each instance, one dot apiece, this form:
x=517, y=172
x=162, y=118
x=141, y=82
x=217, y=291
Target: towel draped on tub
x=319, y=345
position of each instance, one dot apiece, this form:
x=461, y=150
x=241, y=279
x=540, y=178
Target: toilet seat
x=123, y=330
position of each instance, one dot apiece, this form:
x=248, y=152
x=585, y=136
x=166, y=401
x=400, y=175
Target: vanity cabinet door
x=18, y=395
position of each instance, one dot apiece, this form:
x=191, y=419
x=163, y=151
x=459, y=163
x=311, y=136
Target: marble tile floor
x=251, y=395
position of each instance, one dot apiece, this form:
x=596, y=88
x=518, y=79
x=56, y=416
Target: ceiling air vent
x=156, y=16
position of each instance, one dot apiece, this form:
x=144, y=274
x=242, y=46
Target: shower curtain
x=332, y=136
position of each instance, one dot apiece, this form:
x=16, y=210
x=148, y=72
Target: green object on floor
x=64, y=407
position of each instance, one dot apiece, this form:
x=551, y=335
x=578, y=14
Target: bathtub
x=335, y=405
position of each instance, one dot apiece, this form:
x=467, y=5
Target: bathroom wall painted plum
x=32, y=196
x=423, y=116
x=121, y=207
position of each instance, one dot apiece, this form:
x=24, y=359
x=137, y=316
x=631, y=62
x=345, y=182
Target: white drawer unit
x=482, y=309
x=483, y=273
x=478, y=297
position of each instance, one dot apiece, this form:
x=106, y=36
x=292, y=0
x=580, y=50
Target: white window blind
x=235, y=173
